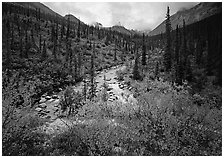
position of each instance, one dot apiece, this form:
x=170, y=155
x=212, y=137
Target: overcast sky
x=132, y=15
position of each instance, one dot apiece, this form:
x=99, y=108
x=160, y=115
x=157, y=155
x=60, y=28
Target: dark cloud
x=132, y=15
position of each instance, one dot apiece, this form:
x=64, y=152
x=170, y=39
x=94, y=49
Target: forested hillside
x=192, y=15
x=73, y=89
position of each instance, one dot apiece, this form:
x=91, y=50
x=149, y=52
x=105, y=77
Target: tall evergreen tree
x=92, y=74
x=136, y=75
x=68, y=28
x=143, y=50
x=115, y=51
x=40, y=44
x=78, y=33
x=55, y=49
x=177, y=46
x=104, y=91
x=178, y=62
x=184, y=43
x=8, y=47
x=84, y=90
x=52, y=33
x=184, y=52
x=44, y=52
x=21, y=46
x=167, y=55
x=39, y=13
x=62, y=30
x=79, y=63
x=157, y=70
x=26, y=45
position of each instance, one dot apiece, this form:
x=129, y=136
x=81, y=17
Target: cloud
x=132, y=15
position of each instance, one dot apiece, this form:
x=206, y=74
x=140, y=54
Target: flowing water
x=117, y=91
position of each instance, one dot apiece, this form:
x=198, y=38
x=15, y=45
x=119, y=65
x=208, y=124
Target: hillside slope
x=72, y=18
x=192, y=15
x=37, y=5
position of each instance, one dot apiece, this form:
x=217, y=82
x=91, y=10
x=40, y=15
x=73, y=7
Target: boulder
x=42, y=100
x=55, y=97
x=43, y=105
x=47, y=117
x=44, y=95
x=121, y=86
x=38, y=109
x=109, y=89
x=48, y=97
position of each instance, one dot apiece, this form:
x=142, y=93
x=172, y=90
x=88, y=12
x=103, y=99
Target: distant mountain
x=121, y=29
x=72, y=18
x=192, y=15
x=37, y=5
x=96, y=24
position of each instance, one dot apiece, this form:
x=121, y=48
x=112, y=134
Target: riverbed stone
x=42, y=100
x=109, y=89
x=47, y=117
x=43, y=105
x=38, y=109
x=48, y=97
x=55, y=97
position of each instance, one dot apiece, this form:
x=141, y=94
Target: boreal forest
x=71, y=88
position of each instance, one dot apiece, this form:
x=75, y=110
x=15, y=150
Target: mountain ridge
x=192, y=15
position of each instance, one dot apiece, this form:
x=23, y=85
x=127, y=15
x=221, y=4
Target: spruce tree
x=55, y=49
x=21, y=46
x=68, y=28
x=157, y=70
x=143, y=50
x=84, y=91
x=177, y=63
x=8, y=47
x=12, y=39
x=40, y=44
x=136, y=75
x=92, y=74
x=80, y=63
x=104, y=92
x=78, y=33
x=184, y=52
x=26, y=45
x=39, y=13
x=177, y=46
x=44, y=52
x=167, y=55
x=115, y=51
x=184, y=43
x=52, y=33
x=62, y=30
x=70, y=57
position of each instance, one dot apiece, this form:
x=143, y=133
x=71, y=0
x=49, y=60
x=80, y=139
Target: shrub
x=70, y=100
x=120, y=75
x=19, y=138
x=69, y=143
